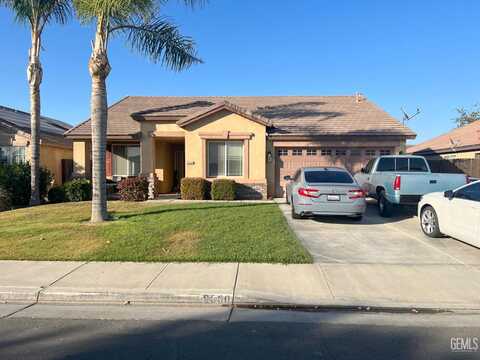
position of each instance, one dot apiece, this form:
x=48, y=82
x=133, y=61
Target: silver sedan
x=324, y=191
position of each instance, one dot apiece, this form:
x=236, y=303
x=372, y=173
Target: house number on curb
x=216, y=299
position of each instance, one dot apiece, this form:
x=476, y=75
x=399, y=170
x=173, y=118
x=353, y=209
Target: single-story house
x=255, y=140
x=460, y=143
x=56, y=152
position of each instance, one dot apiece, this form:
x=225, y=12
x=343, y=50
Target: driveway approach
x=376, y=240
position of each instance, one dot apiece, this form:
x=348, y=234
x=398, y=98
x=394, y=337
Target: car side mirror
x=449, y=194
x=362, y=170
x=287, y=178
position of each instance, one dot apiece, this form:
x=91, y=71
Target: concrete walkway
x=374, y=285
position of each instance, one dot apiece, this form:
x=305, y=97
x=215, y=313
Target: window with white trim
x=326, y=152
x=125, y=160
x=311, y=152
x=384, y=152
x=370, y=152
x=297, y=152
x=13, y=154
x=224, y=158
x=282, y=152
x=340, y=152
x=355, y=152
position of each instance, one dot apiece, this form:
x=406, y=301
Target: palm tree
x=146, y=33
x=37, y=14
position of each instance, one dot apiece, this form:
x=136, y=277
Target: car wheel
x=429, y=222
x=384, y=206
x=294, y=214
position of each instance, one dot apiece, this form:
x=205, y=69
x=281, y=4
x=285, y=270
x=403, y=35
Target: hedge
x=223, y=189
x=133, y=189
x=15, y=180
x=194, y=189
x=78, y=190
x=5, y=202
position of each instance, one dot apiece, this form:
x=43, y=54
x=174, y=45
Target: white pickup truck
x=403, y=180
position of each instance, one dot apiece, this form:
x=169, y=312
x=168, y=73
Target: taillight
x=356, y=194
x=307, y=192
x=397, y=183
x=467, y=179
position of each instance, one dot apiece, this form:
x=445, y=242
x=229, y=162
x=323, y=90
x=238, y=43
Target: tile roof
x=289, y=115
x=460, y=139
x=51, y=130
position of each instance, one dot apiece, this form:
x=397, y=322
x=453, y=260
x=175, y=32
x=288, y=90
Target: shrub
x=5, y=202
x=194, y=189
x=223, y=189
x=56, y=195
x=78, y=190
x=15, y=179
x=133, y=189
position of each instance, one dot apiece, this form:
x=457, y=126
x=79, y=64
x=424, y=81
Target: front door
x=178, y=168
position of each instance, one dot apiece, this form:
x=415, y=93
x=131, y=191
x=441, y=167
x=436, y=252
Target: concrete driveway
x=376, y=240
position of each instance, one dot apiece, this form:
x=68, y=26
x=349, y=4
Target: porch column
x=147, y=149
x=81, y=159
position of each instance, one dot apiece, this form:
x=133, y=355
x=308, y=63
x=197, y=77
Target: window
x=355, y=152
x=225, y=158
x=282, y=152
x=369, y=166
x=386, y=164
x=125, y=160
x=384, y=152
x=326, y=152
x=12, y=154
x=402, y=164
x=311, y=152
x=340, y=152
x=297, y=152
x=328, y=176
x=370, y=152
x=471, y=192
x=418, y=165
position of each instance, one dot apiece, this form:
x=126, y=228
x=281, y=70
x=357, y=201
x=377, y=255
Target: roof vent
x=359, y=97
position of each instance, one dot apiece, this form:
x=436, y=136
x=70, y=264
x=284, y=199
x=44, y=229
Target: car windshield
x=328, y=176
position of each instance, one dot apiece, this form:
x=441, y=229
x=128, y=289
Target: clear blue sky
x=398, y=53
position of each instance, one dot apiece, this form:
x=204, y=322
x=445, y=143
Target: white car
x=454, y=213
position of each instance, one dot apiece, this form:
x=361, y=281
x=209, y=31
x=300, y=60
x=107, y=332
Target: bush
x=78, y=190
x=223, y=189
x=15, y=179
x=194, y=189
x=133, y=189
x=56, y=195
x=5, y=202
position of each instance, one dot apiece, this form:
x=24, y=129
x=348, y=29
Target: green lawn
x=214, y=232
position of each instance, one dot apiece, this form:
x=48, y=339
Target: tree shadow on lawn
x=167, y=209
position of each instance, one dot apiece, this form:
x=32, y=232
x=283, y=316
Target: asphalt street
x=87, y=332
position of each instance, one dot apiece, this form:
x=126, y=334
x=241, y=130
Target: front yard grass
x=212, y=232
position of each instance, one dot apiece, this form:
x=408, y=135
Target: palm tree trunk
x=99, y=68
x=34, y=74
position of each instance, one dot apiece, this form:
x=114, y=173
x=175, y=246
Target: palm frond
x=39, y=12
x=161, y=41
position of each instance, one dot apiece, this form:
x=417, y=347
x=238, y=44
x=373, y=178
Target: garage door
x=289, y=160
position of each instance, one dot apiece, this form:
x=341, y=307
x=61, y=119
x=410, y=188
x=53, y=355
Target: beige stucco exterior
x=461, y=155
x=51, y=155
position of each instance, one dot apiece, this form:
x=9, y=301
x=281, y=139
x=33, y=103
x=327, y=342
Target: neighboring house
x=460, y=143
x=255, y=140
x=55, y=151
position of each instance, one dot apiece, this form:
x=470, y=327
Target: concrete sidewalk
x=336, y=285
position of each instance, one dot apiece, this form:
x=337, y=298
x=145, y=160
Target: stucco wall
x=82, y=158
x=221, y=122
x=461, y=155
x=51, y=158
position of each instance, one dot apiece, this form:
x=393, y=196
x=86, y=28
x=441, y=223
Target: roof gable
x=224, y=105
x=462, y=138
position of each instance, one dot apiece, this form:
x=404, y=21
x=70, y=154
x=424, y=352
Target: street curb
x=48, y=296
